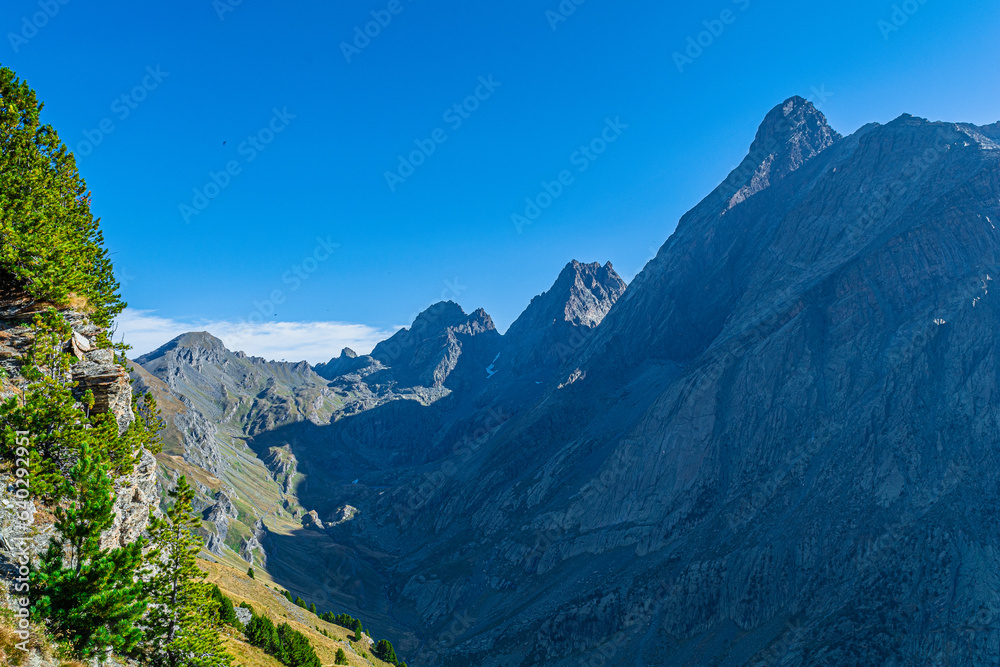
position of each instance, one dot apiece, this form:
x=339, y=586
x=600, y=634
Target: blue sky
x=301, y=208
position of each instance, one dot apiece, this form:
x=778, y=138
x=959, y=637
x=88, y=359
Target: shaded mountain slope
x=787, y=419
x=777, y=446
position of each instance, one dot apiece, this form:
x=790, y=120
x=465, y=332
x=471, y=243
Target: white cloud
x=314, y=342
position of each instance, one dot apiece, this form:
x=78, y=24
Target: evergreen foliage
x=296, y=649
x=60, y=426
x=341, y=657
x=261, y=633
x=52, y=245
x=384, y=651
x=182, y=627
x=287, y=645
x=85, y=594
x=227, y=612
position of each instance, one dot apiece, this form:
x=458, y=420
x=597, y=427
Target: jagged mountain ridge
x=776, y=448
x=252, y=425
x=764, y=337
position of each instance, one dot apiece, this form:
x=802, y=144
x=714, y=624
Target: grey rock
x=136, y=496
x=252, y=549
x=775, y=447
x=311, y=521
x=243, y=615
x=110, y=384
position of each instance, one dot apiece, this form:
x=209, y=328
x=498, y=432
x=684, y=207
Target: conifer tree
x=87, y=595
x=52, y=245
x=182, y=628
x=384, y=651
x=227, y=612
x=296, y=649
x=340, y=658
x=261, y=633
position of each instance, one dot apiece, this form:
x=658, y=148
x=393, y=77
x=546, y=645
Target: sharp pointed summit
x=792, y=133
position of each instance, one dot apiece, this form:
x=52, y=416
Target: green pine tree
x=250, y=573
x=296, y=649
x=52, y=245
x=59, y=423
x=384, y=651
x=261, y=633
x=227, y=612
x=341, y=657
x=182, y=627
x=358, y=630
x=87, y=595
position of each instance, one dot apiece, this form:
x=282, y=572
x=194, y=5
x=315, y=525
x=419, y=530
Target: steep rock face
x=135, y=496
x=110, y=384
x=444, y=348
x=791, y=134
x=220, y=514
x=776, y=447
x=252, y=549
x=767, y=458
x=556, y=324
x=93, y=369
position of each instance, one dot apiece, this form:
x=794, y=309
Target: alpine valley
x=776, y=446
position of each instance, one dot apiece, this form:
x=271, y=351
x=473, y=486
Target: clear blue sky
x=447, y=229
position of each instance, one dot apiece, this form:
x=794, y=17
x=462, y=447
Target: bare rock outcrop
x=136, y=496
x=220, y=514
x=252, y=549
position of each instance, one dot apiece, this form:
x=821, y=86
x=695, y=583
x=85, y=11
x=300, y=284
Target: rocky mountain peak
x=556, y=322
x=200, y=344
x=791, y=133
x=431, y=323
x=587, y=291
x=479, y=322
x=439, y=316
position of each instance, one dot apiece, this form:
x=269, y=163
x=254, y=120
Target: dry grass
x=259, y=594
x=79, y=304
x=39, y=643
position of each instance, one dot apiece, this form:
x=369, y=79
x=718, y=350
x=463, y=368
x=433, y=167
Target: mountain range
x=775, y=446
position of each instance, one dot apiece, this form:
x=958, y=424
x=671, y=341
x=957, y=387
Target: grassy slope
x=257, y=592
x=308, y=563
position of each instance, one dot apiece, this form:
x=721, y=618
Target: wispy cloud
x=314, y=342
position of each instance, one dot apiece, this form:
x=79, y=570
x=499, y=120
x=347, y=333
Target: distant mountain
x=776, y=446
x=555, y=324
